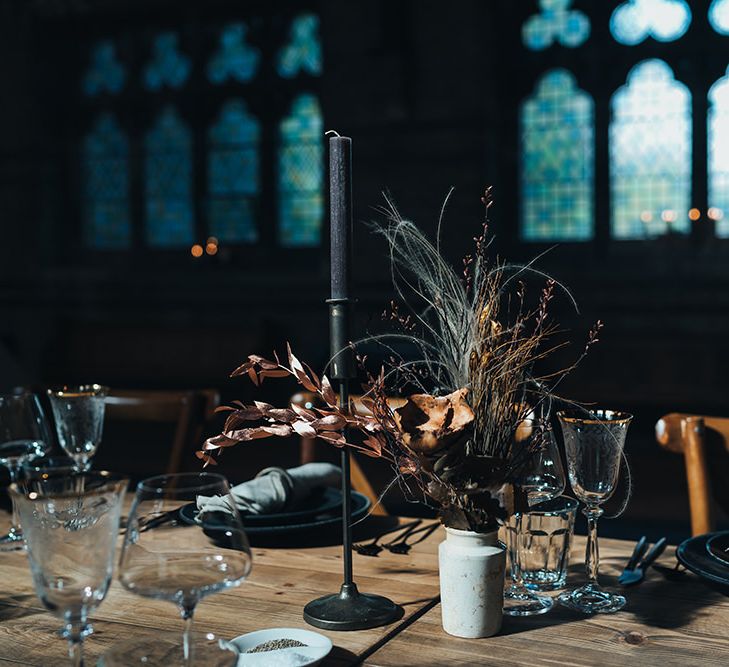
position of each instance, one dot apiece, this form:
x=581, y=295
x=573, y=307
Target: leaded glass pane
x=233, y=173
x=650, y=153
x=556, y=22
x=105, y=171
x=719, y=155
x=303, y=52
x=557, y=153
x=168, y=67
x=168, y=181
x=664, y=20
x=719, y=16
x=300, y=174
x=234, y=59
x=104, y=74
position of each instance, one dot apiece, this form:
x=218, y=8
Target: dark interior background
x=429, y=92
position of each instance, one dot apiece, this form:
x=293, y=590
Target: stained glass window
x=664, y=20
x=556, y=22
x=105, y=169
x=168, y=181
x=719, y=16
x=300, y=174
x=557, y=144
x=168, y=67
x=233, y=173
x=104, y=74
x=650, y=153
x=234, y=59
x=303, y=51
x=719, y=155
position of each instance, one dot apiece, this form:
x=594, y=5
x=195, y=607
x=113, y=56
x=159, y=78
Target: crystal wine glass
x=71, y=536
x=79, y=415
x=593, y=444
x=24, y=436
x=541, y=478
x=184, y=541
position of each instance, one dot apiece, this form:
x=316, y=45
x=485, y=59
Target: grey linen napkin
x=275, y=490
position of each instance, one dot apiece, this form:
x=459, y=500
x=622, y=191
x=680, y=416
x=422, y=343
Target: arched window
x=168, y=181
x=557, y=23
x=663, y=20
x=233, y=177
x=216, y=140
x=718, y=128
x=557, y=157
x=105, y=172
x=300, y=173
x=719, y=16
x=650, y=153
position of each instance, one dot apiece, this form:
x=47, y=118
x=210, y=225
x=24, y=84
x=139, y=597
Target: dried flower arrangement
x=456, y=443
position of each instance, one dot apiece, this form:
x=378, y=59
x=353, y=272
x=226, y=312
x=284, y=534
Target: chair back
x=187, y=412
x=700, y=439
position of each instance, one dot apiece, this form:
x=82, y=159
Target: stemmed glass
x=593, y=444
x=79, y=415
x=541, y=478
x=71, y=537
x=184, y=541
x=24, y=436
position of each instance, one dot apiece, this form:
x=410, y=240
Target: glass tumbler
x=547, y=536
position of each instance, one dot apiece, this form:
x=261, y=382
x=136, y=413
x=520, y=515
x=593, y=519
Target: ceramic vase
x=472, y=567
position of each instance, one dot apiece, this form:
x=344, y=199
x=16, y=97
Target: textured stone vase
x=472, y=567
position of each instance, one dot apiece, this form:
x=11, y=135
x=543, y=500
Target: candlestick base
x=351, y=610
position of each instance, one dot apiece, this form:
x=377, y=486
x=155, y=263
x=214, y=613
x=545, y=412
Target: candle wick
x=332, y=132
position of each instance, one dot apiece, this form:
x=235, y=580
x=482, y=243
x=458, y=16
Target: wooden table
x=679, y=623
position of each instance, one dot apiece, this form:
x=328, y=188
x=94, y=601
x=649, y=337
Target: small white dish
x=316, y=648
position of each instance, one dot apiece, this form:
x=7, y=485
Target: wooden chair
x=359, y=479
x=187, y=411
x=691, y=435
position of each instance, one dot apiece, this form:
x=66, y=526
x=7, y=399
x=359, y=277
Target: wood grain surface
x=665, y=623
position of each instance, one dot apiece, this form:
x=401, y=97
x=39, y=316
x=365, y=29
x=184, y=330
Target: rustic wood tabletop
x=681, y=622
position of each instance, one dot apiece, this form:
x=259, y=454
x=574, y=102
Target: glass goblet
x=79, y=415
x=593, y=443
x=184, y=541
x=71, y=536
x=24, y=436
x=542, y=478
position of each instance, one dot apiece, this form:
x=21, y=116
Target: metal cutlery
x=637, y=565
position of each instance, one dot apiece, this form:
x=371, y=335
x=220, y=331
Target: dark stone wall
x=428, y=91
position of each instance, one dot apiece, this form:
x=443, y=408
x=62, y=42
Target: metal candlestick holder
x=349, y=609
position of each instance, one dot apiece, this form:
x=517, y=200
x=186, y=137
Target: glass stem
x=592, y=555
x=75, y=645
x=517, y=579
x=187, y=613
x=13, y=472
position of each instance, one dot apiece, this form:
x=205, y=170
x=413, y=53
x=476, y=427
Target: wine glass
x=71, y=536
x=184, y=541
x=542, y=478
x=24, y=436
x=593, y=443
x=79, y=415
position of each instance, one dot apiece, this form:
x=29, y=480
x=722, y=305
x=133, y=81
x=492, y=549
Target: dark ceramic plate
x=320, y=502
x=320, y=522
x=718, y=547
x=695, y=556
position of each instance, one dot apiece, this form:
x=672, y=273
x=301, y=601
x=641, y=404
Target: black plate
x=360, y=506
x=694, y=555
x=320, y=502
x=718, y=547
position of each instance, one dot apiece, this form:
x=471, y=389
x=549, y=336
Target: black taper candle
x=349, y=609
x=340, y=211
